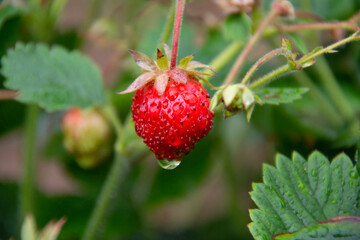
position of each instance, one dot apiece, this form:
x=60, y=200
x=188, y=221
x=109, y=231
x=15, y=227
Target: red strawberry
x=170, y=107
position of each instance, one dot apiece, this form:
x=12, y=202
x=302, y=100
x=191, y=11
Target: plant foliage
x=277, y=96
x=337, y=228
x=55, y=79
x=299, y=193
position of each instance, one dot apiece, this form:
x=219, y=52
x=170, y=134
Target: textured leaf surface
x=299, y=194
x=339, y=228
x=277, y=96
x=53, y=78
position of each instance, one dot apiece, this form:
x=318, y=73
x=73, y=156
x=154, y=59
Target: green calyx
x=160, y=72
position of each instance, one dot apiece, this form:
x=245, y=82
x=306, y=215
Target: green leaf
x=55, y=79
x=338, y=228
x=237, y=27
x=279, y=95
x=162, y=61
x=183, y=64
x=299, y=194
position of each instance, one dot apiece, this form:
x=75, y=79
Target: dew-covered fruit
x=173, y=122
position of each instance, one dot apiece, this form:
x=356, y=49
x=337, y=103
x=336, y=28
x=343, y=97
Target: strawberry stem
x=179, y=13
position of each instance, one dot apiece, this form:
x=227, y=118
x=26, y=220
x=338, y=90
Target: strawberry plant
x=89, y=138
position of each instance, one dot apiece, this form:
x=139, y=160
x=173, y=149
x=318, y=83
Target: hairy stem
x=249, y=46
x=270, y=76
x=178, y=19
x=317, y=26
x=169, y=25
x=353, y=37
x=306, y=58
x=117, y=174
x=28, y=180
x=261, y=61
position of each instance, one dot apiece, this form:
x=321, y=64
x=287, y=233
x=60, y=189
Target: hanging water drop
x=169, y=164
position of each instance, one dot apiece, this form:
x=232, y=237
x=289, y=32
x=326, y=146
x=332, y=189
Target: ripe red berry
x=170, y=107
x=172, y=123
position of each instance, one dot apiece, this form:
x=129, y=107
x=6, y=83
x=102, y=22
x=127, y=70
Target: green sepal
x=161, y=61
x=183, y=64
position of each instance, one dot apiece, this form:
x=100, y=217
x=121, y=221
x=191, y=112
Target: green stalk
x=270, y=76
x=331, y=86
x=306, y=59
x=261, y=61
x=28, y=181
x=249, y=46
x=116, y=176
x=169, y=25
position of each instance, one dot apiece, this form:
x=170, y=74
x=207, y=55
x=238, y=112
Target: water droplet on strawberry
x=169, y=164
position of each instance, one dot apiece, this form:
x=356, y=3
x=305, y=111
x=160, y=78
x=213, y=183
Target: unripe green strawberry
x=87, y=135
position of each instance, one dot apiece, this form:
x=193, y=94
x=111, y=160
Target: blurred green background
x=206, y=197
